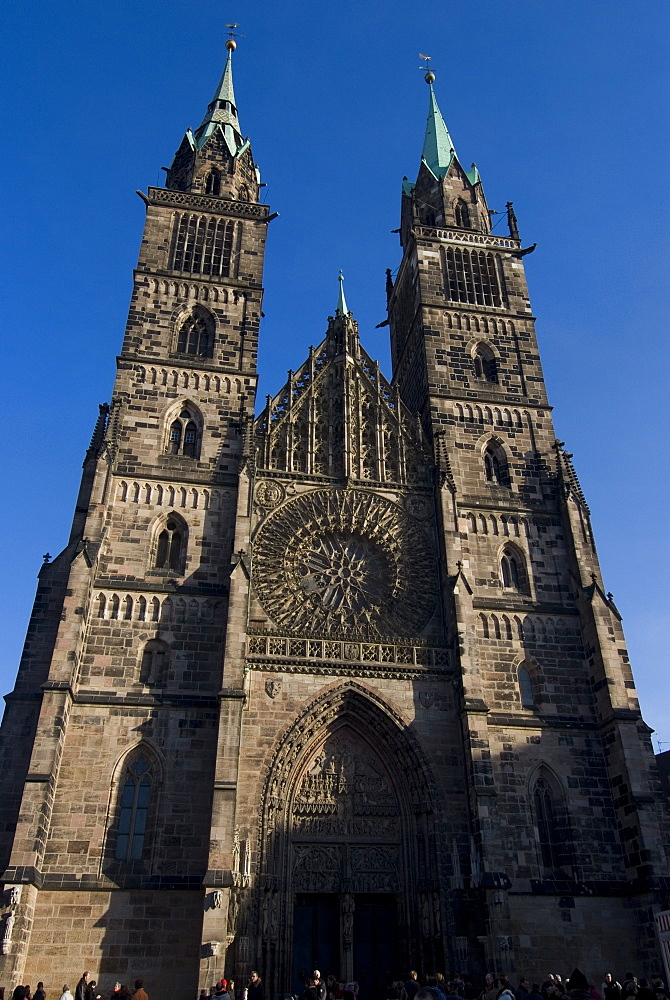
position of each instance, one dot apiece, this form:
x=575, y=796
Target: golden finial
x=231, y=44
x=430, y=76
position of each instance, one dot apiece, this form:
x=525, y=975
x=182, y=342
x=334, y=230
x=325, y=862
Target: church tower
x=566, y=830
x=109, y=740
x=339, y=684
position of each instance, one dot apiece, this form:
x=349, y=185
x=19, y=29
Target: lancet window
x=213, y=182
x=513, y=570
x=485, y=364
x=474, y=276
x=184, y=437
x=551, y=823
x=136, y=791
x=154, y=662
x=201, y=245
x=462, y=214
x=171, y=546
x=495, y=465
x=196, y=336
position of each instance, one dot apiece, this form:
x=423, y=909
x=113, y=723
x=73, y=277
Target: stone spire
x=222, y=109
x=438, y=149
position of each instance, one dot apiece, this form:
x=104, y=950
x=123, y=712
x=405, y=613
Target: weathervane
x=430, y=76
x=231, y=44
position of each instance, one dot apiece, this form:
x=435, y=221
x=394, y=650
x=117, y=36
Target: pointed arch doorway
x=349, y=848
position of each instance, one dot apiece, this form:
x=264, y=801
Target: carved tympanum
x=345, y=562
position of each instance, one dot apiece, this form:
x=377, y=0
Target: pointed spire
x=438, y=149
x=341, y=301
x=222, y=109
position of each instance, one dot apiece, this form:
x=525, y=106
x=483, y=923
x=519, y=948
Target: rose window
x=347, y=563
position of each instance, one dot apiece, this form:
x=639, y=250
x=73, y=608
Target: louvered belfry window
x=201, y=245
x=474, y=276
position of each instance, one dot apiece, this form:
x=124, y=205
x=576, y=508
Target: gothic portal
x=338, y=683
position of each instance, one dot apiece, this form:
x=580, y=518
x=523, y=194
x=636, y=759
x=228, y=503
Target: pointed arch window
x=462, y=214
x=486, y=367
x=551, y=823
x=196, y=336
x=134, y=802
x=171, y=546
x=495, y=465
x=513, y=570
x=184, y=436
x=474, y=276
x=154, y=662
x=213, y=182
x=526, y=692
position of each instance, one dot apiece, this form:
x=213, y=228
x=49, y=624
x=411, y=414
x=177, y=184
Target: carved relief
x=345, y=562
x=345, y=795
x=272, y=687
x=269, y=494
x=346, y=781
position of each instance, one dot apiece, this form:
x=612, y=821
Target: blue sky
x=562, y=106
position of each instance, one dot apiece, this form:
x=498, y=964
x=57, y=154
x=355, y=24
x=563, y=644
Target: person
x=125, y=993
x=80, y=989
x=318, y=985
x=578, y=986
x=535, y=992
x=629, y=988
x=310, y=991
x=231, y=989
x=203, y=994
x=139, y=993
x=66, y=995
x=523, y=989
x=220, y=990
x=39, y=993
x=116, y=992
x=505, y=992
x=488, y=986
x=644, y=990
x=255, y=988
x=610, y=988
x=19, y=993
x=91, y=992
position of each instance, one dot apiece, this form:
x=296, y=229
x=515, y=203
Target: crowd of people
x=433, y=987
x=437, y=987
x=86, y=989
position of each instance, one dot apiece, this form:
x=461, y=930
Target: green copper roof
x=341, y=301
x=222, y=111
x=473, y=174
x=438, y=149
x=225, y=92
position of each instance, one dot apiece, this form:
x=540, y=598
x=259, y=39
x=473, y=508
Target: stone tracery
x=345, y=562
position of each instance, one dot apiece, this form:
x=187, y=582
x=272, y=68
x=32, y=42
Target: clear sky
x=562, y=106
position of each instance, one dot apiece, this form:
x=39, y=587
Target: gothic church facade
x=339, y=683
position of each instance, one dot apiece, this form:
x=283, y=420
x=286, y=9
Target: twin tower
x=332, y=679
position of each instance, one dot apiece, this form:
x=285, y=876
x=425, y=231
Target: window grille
x=205, y=246
x=474, y=276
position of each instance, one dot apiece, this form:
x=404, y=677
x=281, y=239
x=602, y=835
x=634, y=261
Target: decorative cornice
x=342, y=669
x=459, y=236
x=526, y=606
x=220, y=206
x=312, y=653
